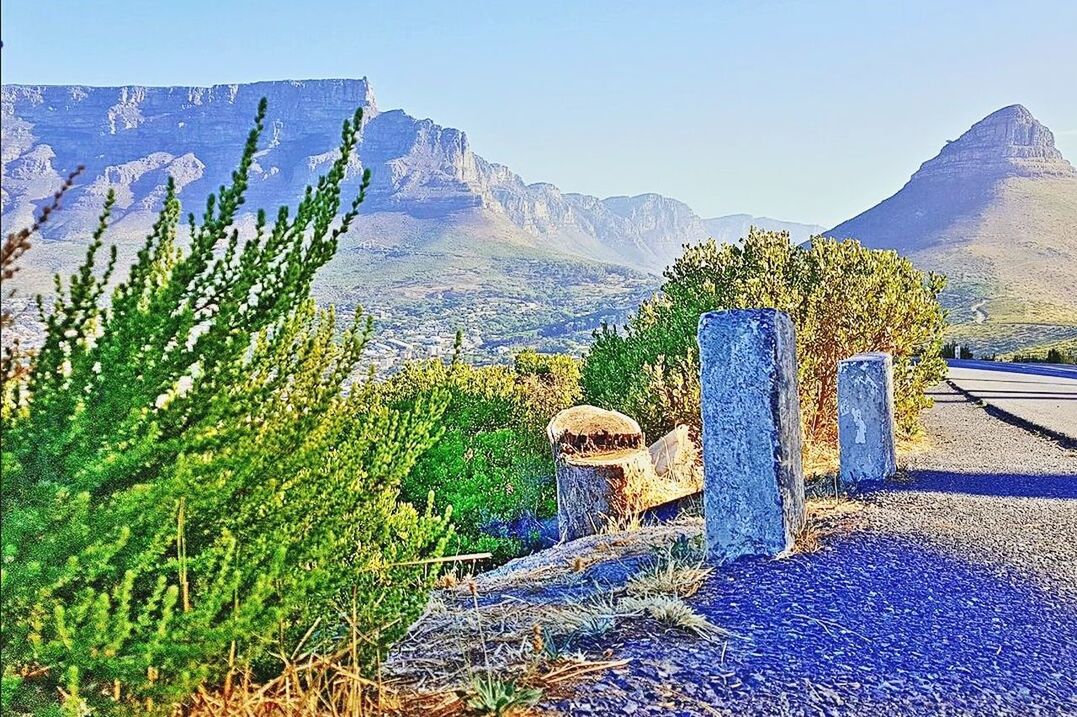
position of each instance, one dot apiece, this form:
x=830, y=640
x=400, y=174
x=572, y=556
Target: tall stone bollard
x=753, y=492
x=866, y=418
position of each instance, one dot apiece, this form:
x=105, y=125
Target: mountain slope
x=132, y=138
x=445, y=239
x=995, y=210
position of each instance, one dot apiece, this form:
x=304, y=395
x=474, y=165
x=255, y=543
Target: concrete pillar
x=866, y=418
x=753, y=492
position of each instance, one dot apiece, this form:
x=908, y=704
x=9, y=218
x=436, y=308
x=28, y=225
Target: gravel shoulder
x=955, y=595
x=988, y=491
x=951, y=591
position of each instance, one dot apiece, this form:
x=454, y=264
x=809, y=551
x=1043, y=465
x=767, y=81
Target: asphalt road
x=1056, y=370
x=1044, y=395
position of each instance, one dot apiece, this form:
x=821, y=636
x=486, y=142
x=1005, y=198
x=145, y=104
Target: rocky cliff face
x=132, y=138
x=960, y=182
x=1007, y=143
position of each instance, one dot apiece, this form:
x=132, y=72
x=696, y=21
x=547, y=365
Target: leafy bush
x=842, y=298
x=546, y=383
x=493, y=462
x=188, y=487
x=15, y=361
x=1064, y=352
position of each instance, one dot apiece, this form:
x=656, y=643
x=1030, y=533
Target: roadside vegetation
x=191, y=484
x=1062, y=352
x=492, y=466
x=207, y=506
x=842, y=297
x=952, y=351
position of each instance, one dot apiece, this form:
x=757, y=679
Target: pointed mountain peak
x=1012, y=113
x=1009, y=142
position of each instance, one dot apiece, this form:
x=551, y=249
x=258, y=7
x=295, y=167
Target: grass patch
x=670, y=575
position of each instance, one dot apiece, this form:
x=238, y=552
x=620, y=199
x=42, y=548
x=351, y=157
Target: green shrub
x=495, y=697
x=842, y=298
x=1062, y=352
x=493, y=462
x=950, y=350
x=188, y=485
x=547, y=383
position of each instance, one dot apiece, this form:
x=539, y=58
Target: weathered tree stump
x=866, y=418
x=753, y=491
x=606, y=475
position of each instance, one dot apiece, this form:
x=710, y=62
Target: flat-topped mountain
x=132, y=138
x=445, y=240
x=996, y=210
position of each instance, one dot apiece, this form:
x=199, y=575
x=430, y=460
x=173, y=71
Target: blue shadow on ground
x=872, y=625
x=1007, y=485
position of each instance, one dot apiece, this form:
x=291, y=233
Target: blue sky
x=807, y=111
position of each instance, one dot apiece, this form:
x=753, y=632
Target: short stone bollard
x=866, y=418
x=753, y=494
x=606, y=475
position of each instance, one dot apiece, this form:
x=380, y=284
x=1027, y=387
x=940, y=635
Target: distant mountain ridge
x=445, y=239
x=733, y=227
x=132, y=138
x=996, y=210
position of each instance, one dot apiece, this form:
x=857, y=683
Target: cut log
x=676, y=461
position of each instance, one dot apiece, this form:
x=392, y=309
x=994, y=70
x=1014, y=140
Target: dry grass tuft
x=317, y=687
x=502, y=669
x=819, y=459
x=669, y=577
x=671, y=611
x=913, y=445
x=314, y=683
x=527, y=621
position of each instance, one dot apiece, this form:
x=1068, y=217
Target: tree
x=842, y=297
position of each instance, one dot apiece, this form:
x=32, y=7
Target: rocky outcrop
x=960, y=182
x=1007, y=143
x=132, y=138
